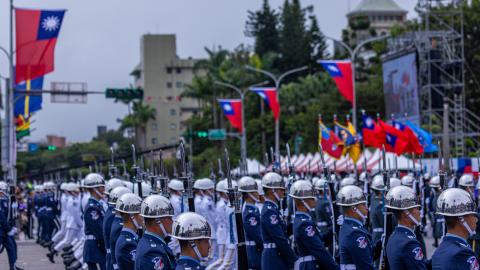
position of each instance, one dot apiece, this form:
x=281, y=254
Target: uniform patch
x=158, y=263
x=253, y=221
x=310, y=231
x=94, y=215
x=273, y=219
x=418, y=253
x=362, y=242
x=473, y=263
x=133, y=253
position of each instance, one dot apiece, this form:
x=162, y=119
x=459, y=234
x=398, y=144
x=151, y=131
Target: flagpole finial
x=392, y=116
x=347, y=117
x=363, y=111
x=378, y=116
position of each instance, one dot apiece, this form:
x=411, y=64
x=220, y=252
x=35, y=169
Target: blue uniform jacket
x=454, y=253
x=404, y=251
x=107, y=227
x=116, y=228
x=125, y=249
x=253, y=235
x=188, y=263
x=355, y=245
x=310, y=245
x=4, y=225
x=277, y=253
x=94, y=247
x=153, y=253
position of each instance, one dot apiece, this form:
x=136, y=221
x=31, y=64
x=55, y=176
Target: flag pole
x=9, y=107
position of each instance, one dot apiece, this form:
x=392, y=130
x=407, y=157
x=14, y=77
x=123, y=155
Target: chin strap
x=412, y=218
x=310, y=209
x=276, y=196
x=202, y=259
x=465, y=224
x=100, y=195
x=165, y=234
x=255, y=199
x=209, y=193
x=136, y=223
x=364, y=218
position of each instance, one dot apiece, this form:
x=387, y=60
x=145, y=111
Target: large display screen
x=400, y=88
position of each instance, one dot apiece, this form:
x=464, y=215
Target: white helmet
x=247, y=184
x=347, y=181
x=113, y=183
x=222, y=186
x=377, y=183
x=273, y=180
x=395, y=182
x=401, y=198
x=128, y=203
x=408, y=180
x=191, y=226
x=363, y=177
x=176, y=185
x=117, y=193
x=321, y=184
x=455, y=202
x=204, y=184
x=146, y=189
x=260, y=188
x=128, y=185
x=49, y=185
x=63, y=186
x=466, y=180
x=350, y=195
x=156, y=206
x=435, y=182
x=302, y=189
x=93, y=180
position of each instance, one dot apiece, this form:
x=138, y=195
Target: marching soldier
x=323, y=211
x=152, y=249
x=454, y=252
x=251, y=221
x=404, y=251
x=376, y=208
x=261, y=198
x=176, y=190
x=466, y=183
x=277, y=253
x=117, y=224
x=94, y=248
x=438, y=220
x=193, y=232
x=311, y=249
x=7, y=231
x=128, y=205
x=355, y=241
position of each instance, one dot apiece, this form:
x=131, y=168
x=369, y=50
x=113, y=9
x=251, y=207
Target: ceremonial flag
x=270, y=96
x=424, y=137
x=36, y=36
x=349, y=137
x=232, y=109
x=373, y=134
x=414, y=145
x=464, y=165
x=394, y=138
x=27, y=104
x=330, y=143
x=341, y=72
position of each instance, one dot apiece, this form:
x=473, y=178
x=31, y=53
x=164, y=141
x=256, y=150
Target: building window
x=179, y=70
x=169, y=84
x=179, y=84
x=169, y=70
x=154, y=140
x=154, y=126
x=173, y=112
x=173, y=126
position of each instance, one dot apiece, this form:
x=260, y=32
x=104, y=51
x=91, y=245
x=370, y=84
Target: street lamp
x=277, y=80
x=353, y=54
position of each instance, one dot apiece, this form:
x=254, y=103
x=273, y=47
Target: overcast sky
x=99, y=44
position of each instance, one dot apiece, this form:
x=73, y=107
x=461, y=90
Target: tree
x=138, y=121
x=262, y=25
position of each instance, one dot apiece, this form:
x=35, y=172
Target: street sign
x=69, y=92
x=217, y=134
x=32, y=147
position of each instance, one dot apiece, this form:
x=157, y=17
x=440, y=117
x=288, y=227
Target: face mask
x=197, y=252
x=465, y=224
x=253, y=198
x=276, y=196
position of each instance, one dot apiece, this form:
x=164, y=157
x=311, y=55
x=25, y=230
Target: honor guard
x=205, y=205
x=376, y=208
x=438, y=220
x=355, y=244
x=395, y=182
x=117, y=185
x=193, y=232
x=60, y=234
x=466, y=183
x=277, y=253
x=454, y=252
x=408, y=181
x=308, y=240
x=261, y=197
x=117, y=224
x=152, y=249
x=7, y=231
x=176, y=190
x=128, y=205
x=404, y=251
x=323, y=211
x=94, y=248
x=251, y=221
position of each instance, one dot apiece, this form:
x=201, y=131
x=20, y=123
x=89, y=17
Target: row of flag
x=36, y=33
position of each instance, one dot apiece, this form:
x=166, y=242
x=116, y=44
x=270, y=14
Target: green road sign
x=217, y=134
x=126, y=94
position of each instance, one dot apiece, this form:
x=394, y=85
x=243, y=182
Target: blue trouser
x=11, y=248
x=93, y=266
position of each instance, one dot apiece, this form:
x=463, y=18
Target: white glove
x=174, y=245
x=12, y=232
x=340, y=220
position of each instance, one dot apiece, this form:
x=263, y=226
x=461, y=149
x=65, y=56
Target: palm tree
x=138, y=120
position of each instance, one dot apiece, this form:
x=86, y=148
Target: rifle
x=136, y=173
x=330, y=201
x=267, y=162
x=126, y=176
x=288, y=201
x=162, y=176
x=112, y=169
x=186, y=178
x=441, y=172
x=274, y=161
x=387, y=217
x=234, y=202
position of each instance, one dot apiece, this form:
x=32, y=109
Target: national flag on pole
x=348, y=135
x=270, y=96
x=331, y=144
x=414, y=145
x=36, y=35
x=424, y=137
x=373, y=134
x=27, y=104
x=232, y=109
x=341, y=72
x=394, y=138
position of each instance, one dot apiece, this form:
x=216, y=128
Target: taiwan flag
x=270, y=96
x=373, y=134
x=232, y=109
x=414, y=145
x=329, y=141
x=36, y=36
x=394, y=138
x=341, y=72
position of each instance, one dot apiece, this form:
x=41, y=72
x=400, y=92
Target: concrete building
x=381, y=15
x=163, y=76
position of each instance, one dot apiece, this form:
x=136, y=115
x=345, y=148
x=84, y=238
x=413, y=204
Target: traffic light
x=201, y=134
x=51, y=148
x=126, y=94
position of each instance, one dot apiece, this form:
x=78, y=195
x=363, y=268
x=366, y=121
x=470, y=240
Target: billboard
x=400, y=88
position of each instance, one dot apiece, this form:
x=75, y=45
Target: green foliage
x=262, y=25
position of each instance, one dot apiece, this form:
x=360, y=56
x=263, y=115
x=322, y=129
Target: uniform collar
x=93, y=199
x=354, y=221
x=188, y=258
x=130, y=231
x=270, y=201
x=299, y=213
x=406, y=228
x=155, y=236
x=457, y=237
x=249, y=204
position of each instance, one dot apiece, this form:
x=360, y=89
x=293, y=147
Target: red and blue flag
x=232, y=109
x=36, y=36
x=341, y=72
x=270, y=96
x=395, y=141
x=373, y=134
x=414, y=145
x=331, y=144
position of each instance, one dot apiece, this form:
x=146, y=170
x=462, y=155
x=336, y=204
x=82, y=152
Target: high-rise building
x=163, y=76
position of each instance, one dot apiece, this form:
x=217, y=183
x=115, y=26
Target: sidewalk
x=31, y=256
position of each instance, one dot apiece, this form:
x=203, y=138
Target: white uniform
x=229, y=259
x=73, y=222
x=220, y=233
x=63, y=220
x=176, y=202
